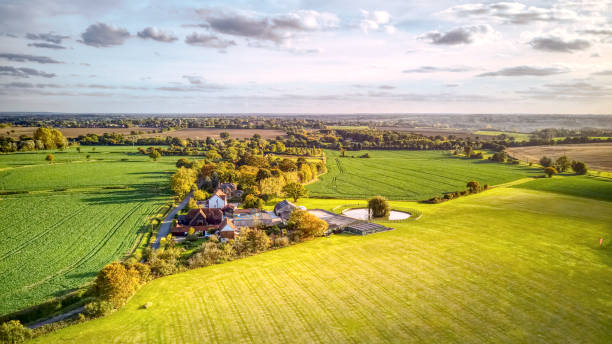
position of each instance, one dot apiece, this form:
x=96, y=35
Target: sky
x=306, y=56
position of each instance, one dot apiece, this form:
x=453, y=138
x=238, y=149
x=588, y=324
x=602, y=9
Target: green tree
x=550, y=171
x=379, y=206
x=224, y=135
x=50, y=158
x=562, y=164
x=294, y=190
x=184, y=162
x=251, y=201
x=306, y=225
x=473, y=186
x=546, y=161
x=14, y=332
x=579, y=167
x=154, y=154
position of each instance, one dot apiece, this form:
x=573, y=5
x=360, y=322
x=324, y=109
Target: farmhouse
x=201, y=219
x=218, y=200
x=227, y=229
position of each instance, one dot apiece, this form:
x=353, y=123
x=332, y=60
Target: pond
x=363, y=214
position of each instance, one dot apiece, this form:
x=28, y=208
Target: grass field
x=203, y=133
x=77, y=216
x=517, y=136
x=408, y=175
x=583, y=186
x=597, y=156
x=500, y=266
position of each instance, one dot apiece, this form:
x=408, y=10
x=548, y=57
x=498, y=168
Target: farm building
x=227, y=229
x=255, y=218
x=283, y=209
x=230, y=189
x=201, y=219
x=218, y=200
x=341, y=223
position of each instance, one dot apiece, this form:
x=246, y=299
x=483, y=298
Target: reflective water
x=362, y=214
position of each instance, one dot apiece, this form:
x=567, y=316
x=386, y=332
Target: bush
x=200, y=195
x=579, y=167
x=14, y=332
x=98, y=308
x=251, y=241
x=251, y=201
x=473, y=186
x=280, y=242
x=211, y=253
x=550, y=171
x=379, y=206
x=184, y=162
x=545, y=161
x=116, y=283
x=305, y=225
x=435, y=200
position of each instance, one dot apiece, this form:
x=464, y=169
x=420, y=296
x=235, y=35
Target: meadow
x=408, y=175
x=500, y=266
x=63, y=222
x=584, y=186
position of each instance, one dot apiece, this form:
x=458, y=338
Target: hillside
x=500, y=266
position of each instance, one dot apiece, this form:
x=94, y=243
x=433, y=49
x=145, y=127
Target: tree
x=192, y=204
x=562, y=164
x=251, y=241
x=154, y=154
x=115, y=283
x=224, y=135
x=50, y=138
x=182, y=181
x=550, y=171
x=78, y=149
x=200, y=195
x=287, y=165
x=294, y=190
x=184, y=162
x=251, y=201
x=14, y=332
x=306, y=225
x=579, y=167
x=379, y=206
x=473, y=186
x=468, y=151
x=50, y=158
x=545, y=161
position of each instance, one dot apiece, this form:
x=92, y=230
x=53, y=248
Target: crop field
x=202, y=133
x=597, y=156
x=75, y=132
x=408, y=175
x=72, y=217
x=500, y=266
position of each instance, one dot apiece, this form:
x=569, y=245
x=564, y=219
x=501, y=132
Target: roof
x=284, y=206
x=245, y=211
x=225, y=222
x=220, y=193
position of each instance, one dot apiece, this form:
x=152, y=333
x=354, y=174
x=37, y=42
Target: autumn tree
x=251, y=241
x=295, y=191
x=379, y=206
x=562, y=164
x=184, y=162
x=115, y=283
x=473, y=186
x=50, y=138
x=50, y=158
x=251, y=201
x=550, y=171
x=182, y=181
x=200, y=195
x=306, y=225
x=154, y=154
x=14, y=332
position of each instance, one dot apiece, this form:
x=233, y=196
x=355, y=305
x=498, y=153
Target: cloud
x=102, y=35
x=526, y=71
x=27, y=58
x=603, y=73
x=512, y=12
x=386, y=87
x=47, y=37
x=431, y=69
x=23, y=72
x=194, y=79
x=376, y=21
x=210, y=41
x=568, y=91
x=556, y=44
x=157, y=35
x=459, y=35
x=46, y=45
x=18, y=84
x=276, y=29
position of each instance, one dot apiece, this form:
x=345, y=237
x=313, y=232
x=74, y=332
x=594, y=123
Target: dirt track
x=597, y=156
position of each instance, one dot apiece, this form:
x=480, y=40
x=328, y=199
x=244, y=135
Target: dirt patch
x=202, y=133
x=597, y=156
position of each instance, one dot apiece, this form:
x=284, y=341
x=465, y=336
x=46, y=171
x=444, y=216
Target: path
x=164, y=229
x=57, y=318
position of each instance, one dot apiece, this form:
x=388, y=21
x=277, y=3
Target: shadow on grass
x=135, y=193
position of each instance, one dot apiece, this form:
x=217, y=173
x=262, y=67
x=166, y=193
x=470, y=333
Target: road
x=164, y=229
x=57, y=318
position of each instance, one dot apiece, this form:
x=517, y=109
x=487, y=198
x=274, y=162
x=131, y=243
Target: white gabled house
x=218, y=200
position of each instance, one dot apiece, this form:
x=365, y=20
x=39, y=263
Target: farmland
x=75, y=132
x=597, y=156
x=516, y=136
x=66, y=220
x=408, y=175
x=203, y=133
x=583, y=186
x=500, y=266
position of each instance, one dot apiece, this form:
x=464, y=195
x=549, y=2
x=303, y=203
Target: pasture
x=597, y=156
x=582, y=186
x=408, y=175
x=499, y=266
x=65, y=221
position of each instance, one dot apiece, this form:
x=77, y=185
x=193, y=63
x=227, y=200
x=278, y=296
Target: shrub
x=486, y=187
x=579, y=167
x=305, y=225
x=550, y=171
x=200, y=195
x=251, y=201
x=184, y=162
x=473, y=186
x=251, y=241
x=192, y=204
x=14, y=332
x=562, y=164
x=280, y=242
x=50, y=158
x=545, y=161
x=211, y=253
x=379, y=206
x=98, y=308
x=435, y=200
x=116, y=283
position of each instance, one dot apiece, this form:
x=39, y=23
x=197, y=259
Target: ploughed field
x=62, y=222
x=597, y=156
x=506, y=265
x=408, y=175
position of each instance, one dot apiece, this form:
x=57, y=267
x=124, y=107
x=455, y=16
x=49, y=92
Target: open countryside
x=515, y=277
x=408, y=175
x=596, y=155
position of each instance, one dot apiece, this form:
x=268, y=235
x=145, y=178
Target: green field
x=77, y=216
x=583, y=186
x=517, y=136
x=408, y=175
x=500, y=266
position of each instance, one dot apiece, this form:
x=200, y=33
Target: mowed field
x=77, y=216
x=408, y=175
x=500, y=266
x=203, y=133
x=597, y=156
x=75, y=132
